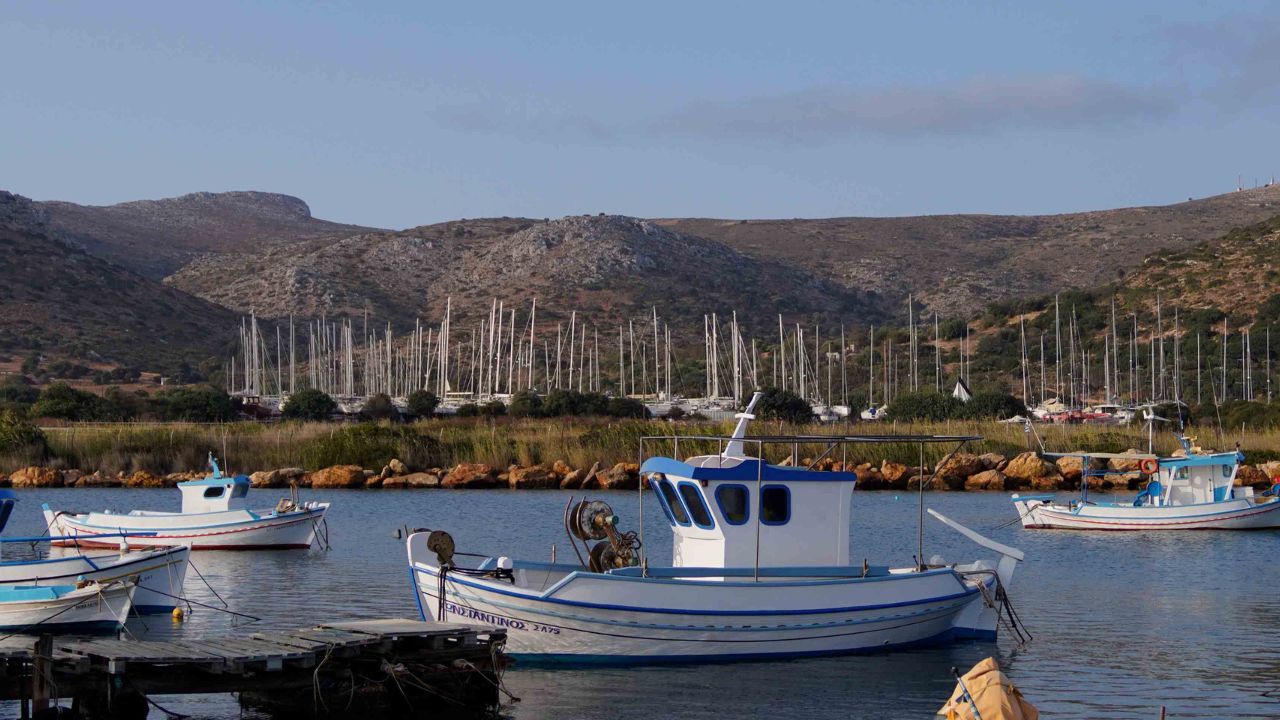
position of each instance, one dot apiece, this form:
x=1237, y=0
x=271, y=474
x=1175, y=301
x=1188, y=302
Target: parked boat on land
x=1193, y=492
x=761, y=568
x=80, y=607
x=214, y=516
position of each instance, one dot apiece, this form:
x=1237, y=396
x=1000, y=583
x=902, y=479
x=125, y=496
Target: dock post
x=41, y=675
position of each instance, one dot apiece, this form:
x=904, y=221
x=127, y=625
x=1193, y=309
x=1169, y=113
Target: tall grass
x=247, y=447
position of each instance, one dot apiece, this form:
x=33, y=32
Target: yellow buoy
x=178, y=614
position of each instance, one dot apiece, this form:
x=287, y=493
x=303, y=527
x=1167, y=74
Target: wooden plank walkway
x=275, y=659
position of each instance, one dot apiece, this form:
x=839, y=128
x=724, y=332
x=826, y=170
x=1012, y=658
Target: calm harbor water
x=1123, y=623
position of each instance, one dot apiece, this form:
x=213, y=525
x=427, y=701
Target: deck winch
x=594, y=520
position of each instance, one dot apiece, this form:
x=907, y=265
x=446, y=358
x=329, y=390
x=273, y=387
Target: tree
x=777, y=404
x=621, y=407
x=309, y=404
x=992, y=404
x=197, y=403
x=925, y=405
x=423, y=403
x=525, y=403
x=16, y=390
x=380, y=407
x=64, y=402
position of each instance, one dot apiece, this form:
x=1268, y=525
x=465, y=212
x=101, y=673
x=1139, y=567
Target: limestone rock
x=985, y=480
x=4, y=480
x=869, y=478
x=1071, y=468
x=622, y=476
x=931, y=482
x=338, y=476
x=1029, y=466
x=1250, y=475
x=397, y=467
x=896, y=474
x=534, y=477
x=71, y=477
x=1272, y=468
x=954, y=471
x=265, y=479
x=99, y=479
x=560, y=468
x=36, y=477
x=573, y=480
x=1127, y=464
x=471, y=475
x=414, y=480
x=993, y=461
x=142, y=478
x=1046, y=483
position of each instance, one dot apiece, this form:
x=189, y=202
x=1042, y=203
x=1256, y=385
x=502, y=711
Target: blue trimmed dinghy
x=214, y=516
x=1193, y=492
x=83, y=607
x=760, y=569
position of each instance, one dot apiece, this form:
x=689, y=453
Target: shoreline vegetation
x=573, y=453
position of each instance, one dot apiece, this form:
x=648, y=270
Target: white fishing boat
x=214, y=516
x=761, y=568
x=1194, y=492
x=159, y=572
x=82, y=607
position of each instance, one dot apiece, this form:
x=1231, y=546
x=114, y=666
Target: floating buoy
x=178, y=615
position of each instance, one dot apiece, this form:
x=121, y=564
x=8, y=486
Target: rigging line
x=206, y=582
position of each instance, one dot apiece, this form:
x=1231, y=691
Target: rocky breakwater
x=959, y=472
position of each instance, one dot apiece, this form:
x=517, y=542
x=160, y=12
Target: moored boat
x=159, y=572
x=761, y=568
x=81, y=607
x=1191, y=492
x=214, y=516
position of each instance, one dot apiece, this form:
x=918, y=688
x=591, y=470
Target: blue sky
x=399, y=114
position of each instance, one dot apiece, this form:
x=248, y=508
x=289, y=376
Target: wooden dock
x=404, y=667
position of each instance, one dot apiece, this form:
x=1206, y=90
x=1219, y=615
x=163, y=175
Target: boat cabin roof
x=218, y=479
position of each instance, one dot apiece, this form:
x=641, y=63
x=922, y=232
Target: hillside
x=606, y=267
x=957, y=264
x=60, y=300
x=157, y=237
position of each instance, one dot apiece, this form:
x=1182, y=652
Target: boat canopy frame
x=760, y=442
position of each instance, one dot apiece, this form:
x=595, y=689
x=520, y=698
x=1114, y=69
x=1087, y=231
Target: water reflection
x=1123, y=623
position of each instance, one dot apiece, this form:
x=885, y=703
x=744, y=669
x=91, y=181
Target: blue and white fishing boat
x=761, y=568
x=158, y=572
x=1193, y=492
x=81, y=607
x=214, y=516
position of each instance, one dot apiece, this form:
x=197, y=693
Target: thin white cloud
x=978, y=105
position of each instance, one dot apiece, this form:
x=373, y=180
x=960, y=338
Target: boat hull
x=1040, y=513
x=91, y=609
x=644, y=621
x=160, y=573
x=291, y=530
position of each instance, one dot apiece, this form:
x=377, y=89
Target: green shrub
x=19, y=435
x=64, y=402
x=423, y=403
x=525, y=404
x=380, y=407
x=309, y=404
x=925, y=405
x=196, y=403
x=993, y=405
x=777, y=404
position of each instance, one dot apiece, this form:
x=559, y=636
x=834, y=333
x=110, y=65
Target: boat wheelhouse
x=214, y=516
x=1195, y=491
x=760, y=568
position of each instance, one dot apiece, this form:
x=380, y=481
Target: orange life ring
x=1149, y=466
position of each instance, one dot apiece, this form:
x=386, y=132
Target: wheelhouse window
x=655, y=483
x=673, y=502
x=732, y=500
x=775, y=505
x=213, y=492
x=239, y=491
x=692, y=497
